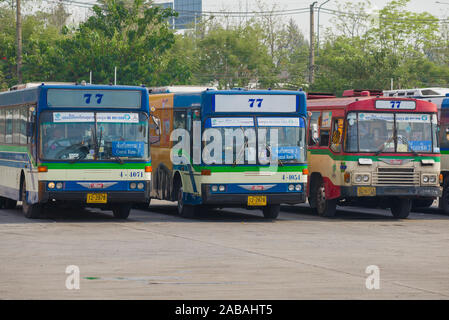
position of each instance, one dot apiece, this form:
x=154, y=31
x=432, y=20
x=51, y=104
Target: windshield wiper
x=403, y=139
x=385, y=144
x=119, y=160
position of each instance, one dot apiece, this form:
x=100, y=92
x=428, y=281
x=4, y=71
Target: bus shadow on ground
x=210, y=215
x=358, y=213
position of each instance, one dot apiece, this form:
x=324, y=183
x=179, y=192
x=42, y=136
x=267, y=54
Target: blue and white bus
x=221, y=141
x=84, y=145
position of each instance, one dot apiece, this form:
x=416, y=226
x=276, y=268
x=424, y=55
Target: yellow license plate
x=366, y=191
x=257, y=200
x=97, y=198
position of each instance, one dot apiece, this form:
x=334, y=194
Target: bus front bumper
x=81, y=197
x=391, y=191
x=241, y=199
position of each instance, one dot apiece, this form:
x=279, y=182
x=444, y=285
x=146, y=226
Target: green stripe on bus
x=93, y=165
x=374, y=158
x=14, y=148
x=240, y=168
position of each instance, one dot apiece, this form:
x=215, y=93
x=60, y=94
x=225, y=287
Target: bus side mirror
x=156, y=125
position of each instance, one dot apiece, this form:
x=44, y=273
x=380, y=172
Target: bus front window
x=389, y=132
x=291, y=141
x=62, y=138
x=75, y=136
x=122, y=136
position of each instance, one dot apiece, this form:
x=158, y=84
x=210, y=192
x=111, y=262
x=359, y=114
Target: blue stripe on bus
x=14, y=164
x=22, y=156
x=239, y=188
x=14, y=194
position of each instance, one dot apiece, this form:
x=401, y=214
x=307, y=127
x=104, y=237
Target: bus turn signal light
x=305, y=171
x=347, y=177
x=148, y=169
x=205, y=172
x=441, y=179
x=42, y=169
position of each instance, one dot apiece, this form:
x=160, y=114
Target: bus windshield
x=239, y=139
x=290, y=138
x=391, y=132
x=91, y=136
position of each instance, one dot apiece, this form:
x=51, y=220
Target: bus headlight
x=140, y=185
x=433, y=179
x=51, y=185
x=214, y=188
x=132, y=185
x=291, y=187
x=221, y=188
x=358, y=178
x=365, y=178
x=425, y=179
x=59, y=185
x=298, y=187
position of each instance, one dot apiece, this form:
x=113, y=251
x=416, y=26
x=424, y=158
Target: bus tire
x=444, y=199
x=324, y=207
x=31, y=211
x=121, y=211
x=422, y=203
x=271, y=212
x=184, y=210
x=400, y=208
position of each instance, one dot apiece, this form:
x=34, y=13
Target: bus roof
x=179, y=89
x=366, y=104
x=418, y=92
x=30, y=94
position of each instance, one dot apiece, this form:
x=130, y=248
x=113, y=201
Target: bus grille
x=396, y=177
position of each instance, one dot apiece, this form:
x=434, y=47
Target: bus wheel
x=422, y=203
x=6, y=203
x=444, y=199
x=121, y=211
x=31, y=211
x=324, y=207
x=184, y=210
x=400, y=208
x=271, y=212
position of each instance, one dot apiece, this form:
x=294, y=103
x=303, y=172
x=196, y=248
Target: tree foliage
x=363, y=49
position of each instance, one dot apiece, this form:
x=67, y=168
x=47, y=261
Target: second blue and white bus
x=234, y=176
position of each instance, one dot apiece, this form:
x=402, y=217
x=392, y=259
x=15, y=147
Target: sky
x=440, y=10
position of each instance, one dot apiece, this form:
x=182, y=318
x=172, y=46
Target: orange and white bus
x=365, y=148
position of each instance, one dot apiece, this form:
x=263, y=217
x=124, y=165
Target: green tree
x=395, y=45
x=130, y=35
x=233, y=57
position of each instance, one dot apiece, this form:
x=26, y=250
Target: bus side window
x=8, y=131
x=444, y=133
x=179, y=119
x=325, y=126
x=337, y=134
x=324, y=138
x=16, y=127
x=313, y=129
x=2, y=125
x=23, y=121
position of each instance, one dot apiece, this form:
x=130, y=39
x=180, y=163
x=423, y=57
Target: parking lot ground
x=224, y=254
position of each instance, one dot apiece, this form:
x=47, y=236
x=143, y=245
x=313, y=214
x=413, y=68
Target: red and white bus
x=364, y=148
